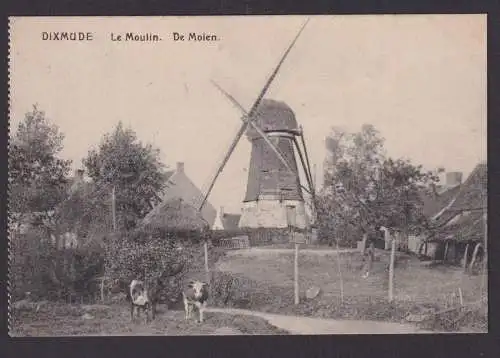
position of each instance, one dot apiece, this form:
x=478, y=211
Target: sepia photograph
x=247, y=175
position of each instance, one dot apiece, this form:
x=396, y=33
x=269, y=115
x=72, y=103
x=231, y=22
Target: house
x=435, y=202
x=179, y=186
x=226, y=221
x=458, y=223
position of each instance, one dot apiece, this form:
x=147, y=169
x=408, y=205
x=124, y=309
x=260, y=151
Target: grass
x=67, y=320
x=417, y=289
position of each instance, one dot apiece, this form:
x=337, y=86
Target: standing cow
x=141, y=300
x=196, y=294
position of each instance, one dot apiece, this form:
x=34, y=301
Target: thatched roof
x=462, y=217
x=174, y=215
x=433, y=203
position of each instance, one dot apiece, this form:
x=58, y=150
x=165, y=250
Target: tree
x=37, y=176
x=134, y=169
x=352, y=166
x=365, y=190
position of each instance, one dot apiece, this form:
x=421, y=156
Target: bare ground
x=103, y=320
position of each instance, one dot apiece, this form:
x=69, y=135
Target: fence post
x=113, y=206
x=466, y=256
x=391, y=270
x=363, y=243
x=102, y=289
x=296, y=274
x=207, y=272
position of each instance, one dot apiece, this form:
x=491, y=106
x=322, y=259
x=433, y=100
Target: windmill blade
x=224, y=161
x=252, y=123
x=274, y=73
x=232, y=99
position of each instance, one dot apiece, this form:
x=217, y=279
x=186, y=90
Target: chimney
x=222, y=211
x=453, y=179
x=180, y=167
x=79, y=173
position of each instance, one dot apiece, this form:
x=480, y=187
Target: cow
x=196, y=294
x=141, y=299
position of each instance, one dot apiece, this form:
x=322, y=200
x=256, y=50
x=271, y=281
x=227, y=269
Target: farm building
x=175, y=215
x=64, y=236
x=458, y=221
x=227, y=233
x=226, y=221
x=179, y=186
x=433, y=204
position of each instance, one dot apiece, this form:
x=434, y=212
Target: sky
x=419, y=79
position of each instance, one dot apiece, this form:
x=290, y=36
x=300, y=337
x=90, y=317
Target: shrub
x=161, y=262
x=227, y=289
x=38, y=267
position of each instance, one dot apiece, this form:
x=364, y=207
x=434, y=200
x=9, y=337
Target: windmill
x=275, y=196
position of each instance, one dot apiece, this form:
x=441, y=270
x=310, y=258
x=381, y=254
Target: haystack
x=174, y=215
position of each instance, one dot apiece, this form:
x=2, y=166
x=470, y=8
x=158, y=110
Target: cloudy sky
x=419, y=79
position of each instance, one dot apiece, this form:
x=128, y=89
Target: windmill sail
x=250, y=118
x=275, y=72
x=255, y=127
x=224, y=161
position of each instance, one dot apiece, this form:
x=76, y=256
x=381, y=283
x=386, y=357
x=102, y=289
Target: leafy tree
x=365, y=190
x=86, y=211
x=36, y=173
x=134, y=169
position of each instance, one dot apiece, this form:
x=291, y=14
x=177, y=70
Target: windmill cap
x=273, y=116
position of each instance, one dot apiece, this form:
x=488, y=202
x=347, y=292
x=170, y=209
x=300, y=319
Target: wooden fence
x=235, y=243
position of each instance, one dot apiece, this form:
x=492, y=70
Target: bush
x=161, y=262
x=227, y=289
x=38, y=267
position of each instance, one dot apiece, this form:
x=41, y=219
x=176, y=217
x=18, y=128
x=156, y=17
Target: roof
x=180, y=186
x=273, y=116
x=230, y=221
x=463, y=216
x=434, y=203
x=175, y=215
x=169, y=174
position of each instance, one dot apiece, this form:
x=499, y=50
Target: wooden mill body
x=274, y=196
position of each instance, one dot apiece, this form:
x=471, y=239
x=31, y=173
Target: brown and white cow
x=195, y=295
x=141, y=300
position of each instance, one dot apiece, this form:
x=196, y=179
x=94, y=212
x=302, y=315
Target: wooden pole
x=207, y=271
x=296, y=274
x=113, y=207
x=314, y=176
x=485, y=253
x=102, y=289
x=363, y=244
x=474, y=256
x=466, y=257
x=340, y=271
x=391, y=270
x=306, y=168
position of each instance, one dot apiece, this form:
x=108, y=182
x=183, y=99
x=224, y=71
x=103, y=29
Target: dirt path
x=308, y=325
x=262, y=250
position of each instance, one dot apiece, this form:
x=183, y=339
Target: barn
x=459, y=228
